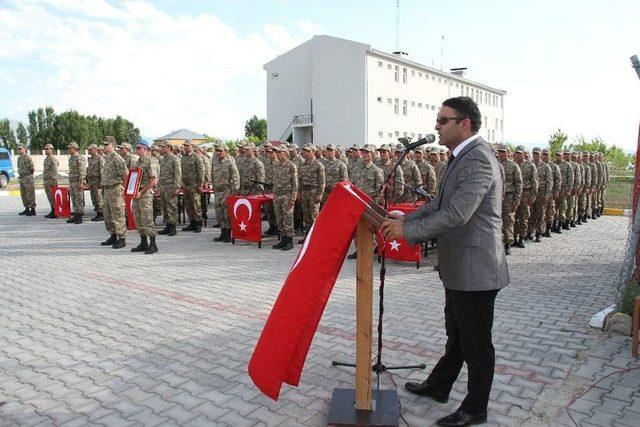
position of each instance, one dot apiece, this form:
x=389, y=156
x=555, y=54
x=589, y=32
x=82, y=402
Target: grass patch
x=618, y=193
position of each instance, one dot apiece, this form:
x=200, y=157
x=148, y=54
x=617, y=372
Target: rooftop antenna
x=397, y=25
x=442, y=53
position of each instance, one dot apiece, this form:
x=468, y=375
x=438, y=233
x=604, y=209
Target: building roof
x=181, y=134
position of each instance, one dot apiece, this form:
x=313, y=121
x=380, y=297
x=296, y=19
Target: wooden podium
x=362, y=406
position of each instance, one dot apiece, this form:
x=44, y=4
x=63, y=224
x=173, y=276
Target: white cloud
x=163, y=72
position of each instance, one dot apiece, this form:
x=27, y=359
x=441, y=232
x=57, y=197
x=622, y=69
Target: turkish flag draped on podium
x=282, y=349
x=61, y=204
x=399, y=249
x=128, y=210
x=245, y=215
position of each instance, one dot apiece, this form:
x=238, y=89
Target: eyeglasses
x=444, y=120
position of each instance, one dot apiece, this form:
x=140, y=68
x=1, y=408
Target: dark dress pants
x=468, y=319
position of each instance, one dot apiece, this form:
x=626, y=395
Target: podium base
x=342, y=411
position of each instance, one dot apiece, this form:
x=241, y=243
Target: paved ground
x=91, y=335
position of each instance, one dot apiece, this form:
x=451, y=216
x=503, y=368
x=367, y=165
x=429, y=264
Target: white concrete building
x=330, y=90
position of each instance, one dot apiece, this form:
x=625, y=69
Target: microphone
x=408, y=146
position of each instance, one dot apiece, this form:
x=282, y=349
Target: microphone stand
x=379, y=367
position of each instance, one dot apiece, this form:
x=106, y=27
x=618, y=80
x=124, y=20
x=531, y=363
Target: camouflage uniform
x=142, y=205
x=269, y=208
x=529, y=193
x=95, y=164
x=439, y=167
x=298, y=221
x=285, y=187
x=130, y=159
x=567, y=179
x=537, y=220
x=335, y=171
x=77, y=172
x=251, y=169
x=591, y=198
x=512, y=197
x=169, y=182
x=394, y=189
x=555, y=190
x=113, y=174
x=370, y=180
x=586, y=189
x=27, y=186
x=412, y=177
x=50, y=178
x=311, y=186
x=606, y=177
x=599, y=184
x=573, y=198
x=226, y=181
x=429, y=178
x=192, y=178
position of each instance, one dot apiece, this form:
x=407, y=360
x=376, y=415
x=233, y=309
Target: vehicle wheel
x=4, y=180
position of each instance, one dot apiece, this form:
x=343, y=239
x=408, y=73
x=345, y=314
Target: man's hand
x=391, y=229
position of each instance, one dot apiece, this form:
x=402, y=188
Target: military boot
x=78, y=219
x=288, y=243
x=32, y=212
x=520, y=243
x=152, y=249
x=190, y=227
x=220, y=238
x=72, y=219
x=593, y=213
x=120, y=243
x=272, y=230
x=507, y=251
x=584, y=218
x=572, y=224
x=198, y=227
x=537, y=239
x=280, y=244
x=110, y=241
x=165, y=230
x=579, y=221
x=172, y=230
x=143, y=246
x=547, y=232
x=227, y=236
x=528, y=237
x=565, y=225
x=50, y=214
x=354, y=255
x=24, y=212
x=301, y=241
x=98, y=217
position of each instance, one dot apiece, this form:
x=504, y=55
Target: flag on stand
x=246, y=216
x=61, y=203
x=128, y=210
x=282, y=349
x=399, y=249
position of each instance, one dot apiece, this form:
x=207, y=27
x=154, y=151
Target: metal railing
x=303, y=119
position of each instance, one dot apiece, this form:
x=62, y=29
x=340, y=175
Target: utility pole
x=397, y=25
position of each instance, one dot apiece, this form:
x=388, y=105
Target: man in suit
x=465, y=217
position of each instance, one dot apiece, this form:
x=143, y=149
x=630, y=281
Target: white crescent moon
x=58, y=193
x=240, y=202
x=304, y=247
x=131, y=205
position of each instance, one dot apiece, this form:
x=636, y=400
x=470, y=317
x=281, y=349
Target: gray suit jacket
x=466, y=218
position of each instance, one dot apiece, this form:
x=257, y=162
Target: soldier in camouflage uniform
x=206, y=185
x=130, y=159
x=572, y=199
x=550, y=215
x=95, y=163
x=567, y=178
x=113, y=175
x=169, y=184
x=251, y=169
x=537, y=221
x=606, y=177
x=335, y=171
x=192, y=179
x=285, y=188
x=438, y=165
x=595, y=210
x=427, y=172
x=311, y=186
x=77, y=172
x=529, y=193
x=50, y=177
x=355, y=162
x=369, y=180
x=394, y=189
x=512, y=195
x=586, y=187
x=142, y=204
x=27, y=186
x=589, y=163
x=226, y=182
x=298, y=221
x=411, y=174
x=269, y=167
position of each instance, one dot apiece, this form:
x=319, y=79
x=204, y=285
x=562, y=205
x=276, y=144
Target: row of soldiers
x=542, y=196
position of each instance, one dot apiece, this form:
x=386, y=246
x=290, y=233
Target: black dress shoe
x=421, y=389
x=461, y=418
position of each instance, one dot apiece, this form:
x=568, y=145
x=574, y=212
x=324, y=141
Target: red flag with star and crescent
x=282, y=349
x=246, y=216
x=61, y=203
x=399, y=249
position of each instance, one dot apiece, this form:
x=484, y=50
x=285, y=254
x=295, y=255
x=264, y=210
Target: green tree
x=556, y=142
x=7, y=138
x=256, y=127
x=618, y=158
x=23, y=137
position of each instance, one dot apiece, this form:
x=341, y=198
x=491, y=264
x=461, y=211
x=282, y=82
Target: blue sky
x=198, y=64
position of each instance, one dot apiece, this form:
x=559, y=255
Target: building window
x=433, y=78
x=467, y=90
x=501, y=102
x=396, y=75
x=456, y=84
x=274, y=76
x=419, y=75
x=379, y=99
x=433, y=107
x=419, y=104
x=419, y=135
x=388, y=66
x=397, y=133
x=404, y=107
x=380, y=134
x=404, y=75
x=396, y=106
x=501, y=128
x=380, y=64
x=413, y=72
x=472, y=93
x=486, y=122
x=413, y=103
x=496, y=126
x=439, y=79
x=388, y=100
x=413, y=135
x=390, y=134
x=404, y=134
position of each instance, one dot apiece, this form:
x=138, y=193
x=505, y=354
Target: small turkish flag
x=61, y=204
x=245, y=216
x=399, y=249
x=128, y=209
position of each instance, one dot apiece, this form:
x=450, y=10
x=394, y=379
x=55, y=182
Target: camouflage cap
x=45, y=146
x=125, y=145
x=420, y=149
x=108, y=139
x=221, y=146
x=162, y=143
x=91, y=147
x=22, y=146
x=399, y=147
x=250, y=146
x=501, y=147
x=292, y=147
x=331, y=147
x=267, y=145
x=187, y=142
x=319, y=147
x=243, y=143
x=536, y=150
x=545, y=151
x=435, y=151
x=368, y=147
x=283, y=148
x=520, y=149
x=592, y=153
x=384, y=147
x=73, y=144
x=308, y=147
x=355, y=147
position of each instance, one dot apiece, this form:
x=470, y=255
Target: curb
x=616, y=212
x=15, y=193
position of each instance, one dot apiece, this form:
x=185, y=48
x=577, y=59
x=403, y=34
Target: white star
x=395, y=245
x=243, y=226
x=60, y=209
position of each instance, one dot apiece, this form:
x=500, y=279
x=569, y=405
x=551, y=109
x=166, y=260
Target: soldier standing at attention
x=599, y=183
x=335, y=171
x=606, y=177
x=296, y=158
x=269, y=167
x=142, y=204
x=251, y=169
x=285, y=189
x=438, y=165
x=369, y=180
x=169, y=187
x=27, y=186
x=355, y=162
x=427, y=172
x=512, y=195
x=95, y=163
x=311, y=186
x=545, y=188
x=396, y=188
x=555, y=191
x=586, y=188
x=571, y=200
x=77, y=172
x=130, y=159
x=50, y=177
x=226, y=181
x=411, y=173
x=529, y=193
x=192, y=180
x=566, y=173
x=113, y=174
x=204, y=195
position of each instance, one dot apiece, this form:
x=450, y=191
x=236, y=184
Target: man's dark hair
x=467, y=109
